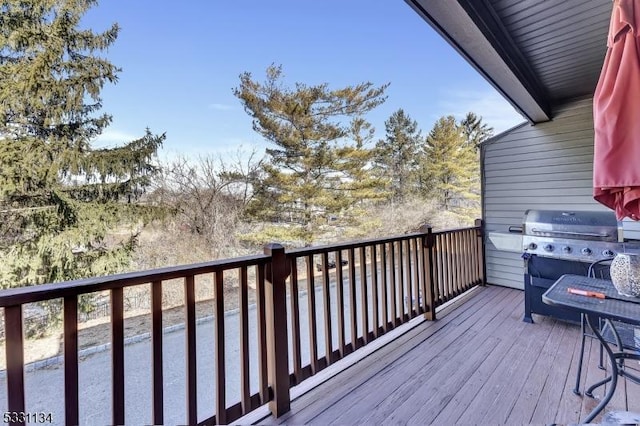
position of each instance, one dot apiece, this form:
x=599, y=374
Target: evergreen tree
x=450, y=169
x=396, y=155
x=357, y=187
x=60, y=199
x=307, y=125
x=475, y=131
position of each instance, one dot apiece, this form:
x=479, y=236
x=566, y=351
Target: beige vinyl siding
x=546, y=166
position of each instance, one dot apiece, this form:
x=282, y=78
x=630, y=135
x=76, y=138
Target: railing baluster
x=456, y=259
x=407, y=273
x=245, y=394
x=156, y=359
x=401, y=277
x=481, y=265
x=433, y=267
x=117, y=354
x=451, y=273
x=327, y=307
x=295, y=321
x=451, y=264
x=462, y=261
x=454, y=264
x=384, y=287
x=446, y=271
x=467, y=262
x=71, y=360
x=476, y=260
x=374, y=289
x=311, y=308
x=393, y=286
x=221, y=400
x=340, y=304
x=472, y=257
x=190, y=349
x=352, y=300
x=406, y=277
x=416, y=276
x=14, y=349
x=445, y=267
x=399, y=287
x=474, y=254
x=421, y=266
x=440, y=266
x=364, y=299
x=262, y=336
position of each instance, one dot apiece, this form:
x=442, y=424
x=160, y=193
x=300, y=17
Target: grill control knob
x=533, y=246
x=608, y=253
x=548, y=247
x=586, y=251
x=566, y=249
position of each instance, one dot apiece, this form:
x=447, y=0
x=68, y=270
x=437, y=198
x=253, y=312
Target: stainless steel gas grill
x=566, y=242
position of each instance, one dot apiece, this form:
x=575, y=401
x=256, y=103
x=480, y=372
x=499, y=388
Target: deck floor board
x=548, y=403
x=478, y=363
x=450, y=413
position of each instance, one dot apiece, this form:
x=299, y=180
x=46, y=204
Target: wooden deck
x=478, y=364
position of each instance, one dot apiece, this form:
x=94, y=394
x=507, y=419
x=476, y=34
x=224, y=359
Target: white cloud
x=110, y=138
x=490, y=105
x=220, y=107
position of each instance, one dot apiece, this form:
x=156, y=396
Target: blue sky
x=180, y=61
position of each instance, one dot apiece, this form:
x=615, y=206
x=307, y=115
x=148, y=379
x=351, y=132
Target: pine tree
x=396, y=155
x=307, y=125
x=475, y=130
x=60, y=199
x=358, y=187
x=450, y=169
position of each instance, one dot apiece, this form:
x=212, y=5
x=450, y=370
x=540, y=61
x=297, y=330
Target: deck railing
x=313, y=306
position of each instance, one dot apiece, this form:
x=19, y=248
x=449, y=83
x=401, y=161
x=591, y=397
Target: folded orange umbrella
x=616, y=115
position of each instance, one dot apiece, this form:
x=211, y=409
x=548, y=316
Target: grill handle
x=579, y=234
x=515, y=229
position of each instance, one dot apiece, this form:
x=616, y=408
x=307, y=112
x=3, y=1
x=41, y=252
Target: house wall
x=542, y=166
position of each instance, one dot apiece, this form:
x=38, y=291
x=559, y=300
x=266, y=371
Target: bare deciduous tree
x=208, y=196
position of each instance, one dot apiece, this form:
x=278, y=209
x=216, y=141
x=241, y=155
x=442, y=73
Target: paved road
x=45, y=387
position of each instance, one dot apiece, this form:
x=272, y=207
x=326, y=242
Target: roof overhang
x=539, y=54
x=486, y=45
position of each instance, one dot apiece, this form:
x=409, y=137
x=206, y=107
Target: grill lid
x=582, y=225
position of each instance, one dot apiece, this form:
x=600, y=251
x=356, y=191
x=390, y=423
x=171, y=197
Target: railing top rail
x=37, y=293
x=454, y=230
x=349, y=245
x=365, y=243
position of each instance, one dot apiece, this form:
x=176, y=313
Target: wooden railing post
x=428, y=288
x=15, y=359
x=482, y=267
x=277, y=342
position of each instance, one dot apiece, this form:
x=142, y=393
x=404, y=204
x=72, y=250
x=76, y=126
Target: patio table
x=622, y=308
